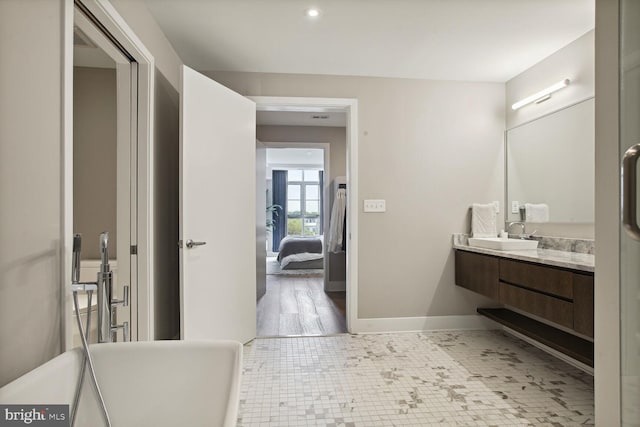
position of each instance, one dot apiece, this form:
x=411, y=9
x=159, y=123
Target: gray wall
x=261, y=220
x=166, y=285
x=94, y=158
x=336, y=137
x=431, y=149
x=31, y=250
x=167, y=60
x=576, y=62
x=165, y=260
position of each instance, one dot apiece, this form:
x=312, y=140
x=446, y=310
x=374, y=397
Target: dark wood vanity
x=561, y=296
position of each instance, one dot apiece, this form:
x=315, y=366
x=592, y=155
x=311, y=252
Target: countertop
x=572, y=260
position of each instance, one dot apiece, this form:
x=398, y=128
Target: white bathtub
x=159, y=383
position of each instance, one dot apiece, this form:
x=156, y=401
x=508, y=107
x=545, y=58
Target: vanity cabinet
x=540, y=290
x=478, y=273
x=561, y=296
x=583, y=303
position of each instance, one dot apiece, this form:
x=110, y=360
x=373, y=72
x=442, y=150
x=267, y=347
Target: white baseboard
x=424, y=323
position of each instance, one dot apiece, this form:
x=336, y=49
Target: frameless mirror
x=551, y=161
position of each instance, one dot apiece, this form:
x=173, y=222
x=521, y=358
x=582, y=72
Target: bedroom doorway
x=298, y=182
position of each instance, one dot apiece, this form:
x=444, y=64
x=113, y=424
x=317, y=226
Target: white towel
x=336, y=225
x=483, y=220
x=536, y=212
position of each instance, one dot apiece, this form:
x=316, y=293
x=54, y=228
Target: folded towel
x=536, y=212
x=483, y=220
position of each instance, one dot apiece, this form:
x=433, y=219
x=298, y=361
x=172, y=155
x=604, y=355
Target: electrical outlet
x=377, y=205
x=515, y=206
x=496, y=203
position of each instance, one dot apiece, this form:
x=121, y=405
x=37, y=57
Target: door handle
x=190, y=244
x=629, y=191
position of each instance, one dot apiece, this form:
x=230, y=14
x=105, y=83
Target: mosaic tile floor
x=465, y=378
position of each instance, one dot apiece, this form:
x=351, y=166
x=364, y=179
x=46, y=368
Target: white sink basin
x=503, y=244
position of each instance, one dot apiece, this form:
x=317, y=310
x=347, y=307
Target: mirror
x=551, y=161
x=102, y=182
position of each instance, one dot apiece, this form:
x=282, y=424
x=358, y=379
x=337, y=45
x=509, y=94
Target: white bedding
x=304, y=256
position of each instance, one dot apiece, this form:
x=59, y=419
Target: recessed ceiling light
x=313, y=12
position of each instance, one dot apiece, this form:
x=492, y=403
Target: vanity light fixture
x=541, y=96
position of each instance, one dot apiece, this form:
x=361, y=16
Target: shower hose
x=86, y=360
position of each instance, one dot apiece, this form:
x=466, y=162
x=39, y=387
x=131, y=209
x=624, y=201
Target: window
x=303, y=202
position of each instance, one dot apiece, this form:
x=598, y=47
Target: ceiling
x=469, y=40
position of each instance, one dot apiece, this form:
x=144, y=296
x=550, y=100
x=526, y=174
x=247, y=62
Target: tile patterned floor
x=466, y=378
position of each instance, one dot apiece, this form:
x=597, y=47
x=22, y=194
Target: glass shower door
x=630, y=232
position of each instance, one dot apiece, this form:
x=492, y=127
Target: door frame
x=350, y=107
x=107, y=18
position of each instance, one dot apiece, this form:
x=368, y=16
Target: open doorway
x=299, y=176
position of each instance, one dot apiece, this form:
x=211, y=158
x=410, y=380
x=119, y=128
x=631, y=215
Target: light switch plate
x=496, y=203
x=515, y=205
x=377, y=205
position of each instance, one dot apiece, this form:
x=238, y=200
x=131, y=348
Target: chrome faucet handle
x=125, y=332
x=125, y=297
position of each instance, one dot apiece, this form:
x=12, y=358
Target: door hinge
x=134, y=249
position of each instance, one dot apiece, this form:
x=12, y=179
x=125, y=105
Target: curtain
x=279, y=198
x=321, y=192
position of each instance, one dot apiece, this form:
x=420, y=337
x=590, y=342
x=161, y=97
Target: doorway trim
x=106, y=17
x=350, y=107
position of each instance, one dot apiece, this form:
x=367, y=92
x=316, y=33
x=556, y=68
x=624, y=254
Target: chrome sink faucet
x=521, y=224
x=523, y=234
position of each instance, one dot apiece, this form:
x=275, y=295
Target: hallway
x=298, y=305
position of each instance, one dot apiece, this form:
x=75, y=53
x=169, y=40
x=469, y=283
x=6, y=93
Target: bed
x=300, y=252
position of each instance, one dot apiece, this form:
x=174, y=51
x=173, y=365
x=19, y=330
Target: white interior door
x=217, y=207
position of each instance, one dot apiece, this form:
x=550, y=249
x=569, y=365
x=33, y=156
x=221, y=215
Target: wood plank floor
x=298, y=305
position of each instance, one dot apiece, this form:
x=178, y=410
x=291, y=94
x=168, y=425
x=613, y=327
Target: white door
x=217, y=208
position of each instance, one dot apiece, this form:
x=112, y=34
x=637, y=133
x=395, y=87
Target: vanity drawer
x=583, y=303
x=549, y=280
x=478, y=273
x=554, y=309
